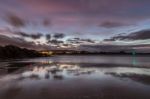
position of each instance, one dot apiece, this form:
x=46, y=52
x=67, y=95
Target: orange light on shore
x=47, y=53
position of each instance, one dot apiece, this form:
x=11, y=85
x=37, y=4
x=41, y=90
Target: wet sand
x=65, y=80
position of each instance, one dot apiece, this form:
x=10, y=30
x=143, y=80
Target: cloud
x=5, y=40
x=46, y=22
x=84, y=44
x=23, y=34
x=59, y=35
x=140, y=35
x=36, y=36
x=112, y=24
x=80, y=41
x=143, y=48
x=10, y=32
x=55, y=39
x=56, y=42
x=20, y=42
x=80, y=9
x=15, y=20
x=6, y=31
x=33, y=36
x=48, y=37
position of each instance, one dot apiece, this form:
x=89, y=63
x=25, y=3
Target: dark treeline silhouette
x=73, y=52
x=11, y=51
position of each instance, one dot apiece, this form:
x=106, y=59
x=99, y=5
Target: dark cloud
x=36, y=36
x=33, y=36
x=55, y=42
x=73, y=41
x=88, y=40
x=23, y=34
x=46, y=22
x=15, y=20
x=80, y=41
x=59, y=35
x=7, y=31
x=140, y=35
x=112, y=24
x=48, y=36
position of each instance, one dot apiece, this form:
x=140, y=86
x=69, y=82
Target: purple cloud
x=112, y=24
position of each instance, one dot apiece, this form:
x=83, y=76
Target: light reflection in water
x=134, y=61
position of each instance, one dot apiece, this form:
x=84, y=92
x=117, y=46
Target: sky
x=93, y=25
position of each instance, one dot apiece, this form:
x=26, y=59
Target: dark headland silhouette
x=11, y=51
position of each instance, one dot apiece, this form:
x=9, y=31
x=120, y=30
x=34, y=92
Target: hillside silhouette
x=11, y=51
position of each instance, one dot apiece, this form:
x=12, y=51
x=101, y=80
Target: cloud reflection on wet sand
x=58, y=71
x=58, y=80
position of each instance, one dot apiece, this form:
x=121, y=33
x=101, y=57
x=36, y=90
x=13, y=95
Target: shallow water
x=76, y=77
